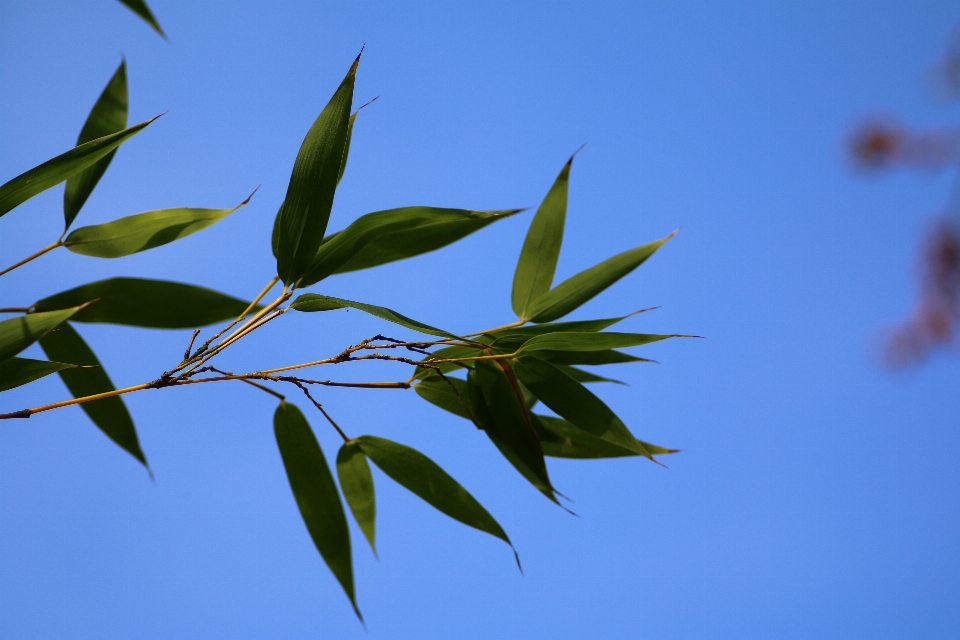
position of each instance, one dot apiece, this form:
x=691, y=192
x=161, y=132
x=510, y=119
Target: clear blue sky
x=818, y=495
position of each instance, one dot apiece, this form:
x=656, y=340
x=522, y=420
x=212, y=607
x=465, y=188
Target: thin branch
x=26, y=413
x=14, y=309
x=518, y=323
x=262, y=387
x=186, y=354
x=33, y=257
x=325, y=414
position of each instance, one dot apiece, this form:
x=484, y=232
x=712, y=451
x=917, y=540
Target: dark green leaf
x=109, y=414
x=574, y=291
x=591, y=341
x=574, y=402
x=585, y=376
x=15, y=372
x=56, y=170
x=356, y=481
x=16, y=334
x=316, y=493
x=108, y=115
x=140, y=8
x=557, y=327
x=142, y=231
x=317, y=302
x=562, y=439
x=306, y=207
x=394, y=234
x=541, y=247
x=501, y=413
x=346, y=146
x=589, y=357
x=139, y=302
x=421, y=475
x=450, y=394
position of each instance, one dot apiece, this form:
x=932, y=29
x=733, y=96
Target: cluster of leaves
x=494, y=378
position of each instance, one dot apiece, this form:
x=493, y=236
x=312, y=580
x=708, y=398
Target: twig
x=34, y=256
x=14, y=309
x=325, y=414
x=186, y=354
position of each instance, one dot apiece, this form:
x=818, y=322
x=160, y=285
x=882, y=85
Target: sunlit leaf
x=306, y=208
x=421, y=475
x=15, y=372
x=139, y=302
x=140, y=8
x=56, y=170
x=541, y=247
x=448, y=393
x=591, y=341
x=142, y=231
x=109, y=414
x=316, y=493
x=574, y=291
x=574, y=402
x=316, y=302
x=109, y=115
x=16, y=334
x=589, y=357
x=356, y=481
x=394, y=234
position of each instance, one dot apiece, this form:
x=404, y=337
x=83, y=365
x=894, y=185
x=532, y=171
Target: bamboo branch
x=34, y=256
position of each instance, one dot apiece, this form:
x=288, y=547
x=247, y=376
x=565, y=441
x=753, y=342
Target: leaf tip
x=574, y=154
x=249, y=197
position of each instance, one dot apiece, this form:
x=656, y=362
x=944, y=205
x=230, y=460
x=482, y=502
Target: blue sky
x=817, y=495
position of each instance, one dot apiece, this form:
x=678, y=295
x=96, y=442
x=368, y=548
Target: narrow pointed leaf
x=563, y=439
x=356, y=482
x=591, y=341
x=450, y=394
x=574, y=291
x=109, y=414
x=109, y=115
x=346, y=146
x=142, y=231
x=424, y=477
x=316, y=302
x=541, y=247
x=139, y=302
x=140, y=8
x=532, y=330
x=316, y=493
x=306, y=208
x=585, y=376
x=610, y=356
x=395, y=234
x=574, y=402
x=56, y=170
x=16, y=334
x=15, y=372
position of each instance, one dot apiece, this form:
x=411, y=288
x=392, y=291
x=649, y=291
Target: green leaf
x=591, y=341
x=140, y=8
x=16, y=334
x=109, y=414
x=563, y=439
x=142, y=231
x=356, y=481
x=501, y=413
x=108, y=115
x=316, y=493
x=15, y=372
x=450, y=394
x=541, y=247
x=138, y=302
x=585, y=376
x=316, y=302
x=532, y=330
x=574, y=291
x=56, y=170
x=589, y=357
x=422, y=476
x=306, y=208
x=445, y=354
x=574, y=402
x=346, y=146
x=395, y=234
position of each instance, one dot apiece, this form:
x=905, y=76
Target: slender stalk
x=518, y=323
x=33, y=257
x=14, y=309
x=26, y=413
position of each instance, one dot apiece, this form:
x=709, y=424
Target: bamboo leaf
x=315, y=302
x=16, y=334
x=306, y=208
x=585, y=376
x=109, y=414
x=422, y=476
x=346, y=146
x=589, y=357
x=563, y=439
x=532, y=330
x=142, y=231
x=68, y=164
x=450, y=394
x=109, y=115
x=139, y=302
x=356, y=481
x=574, y=402
x=316, y=493
x=140, y=8
x=574, y=291
x=15, y=372
x=395, y=234
x=591, y=341
x=541, y=247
